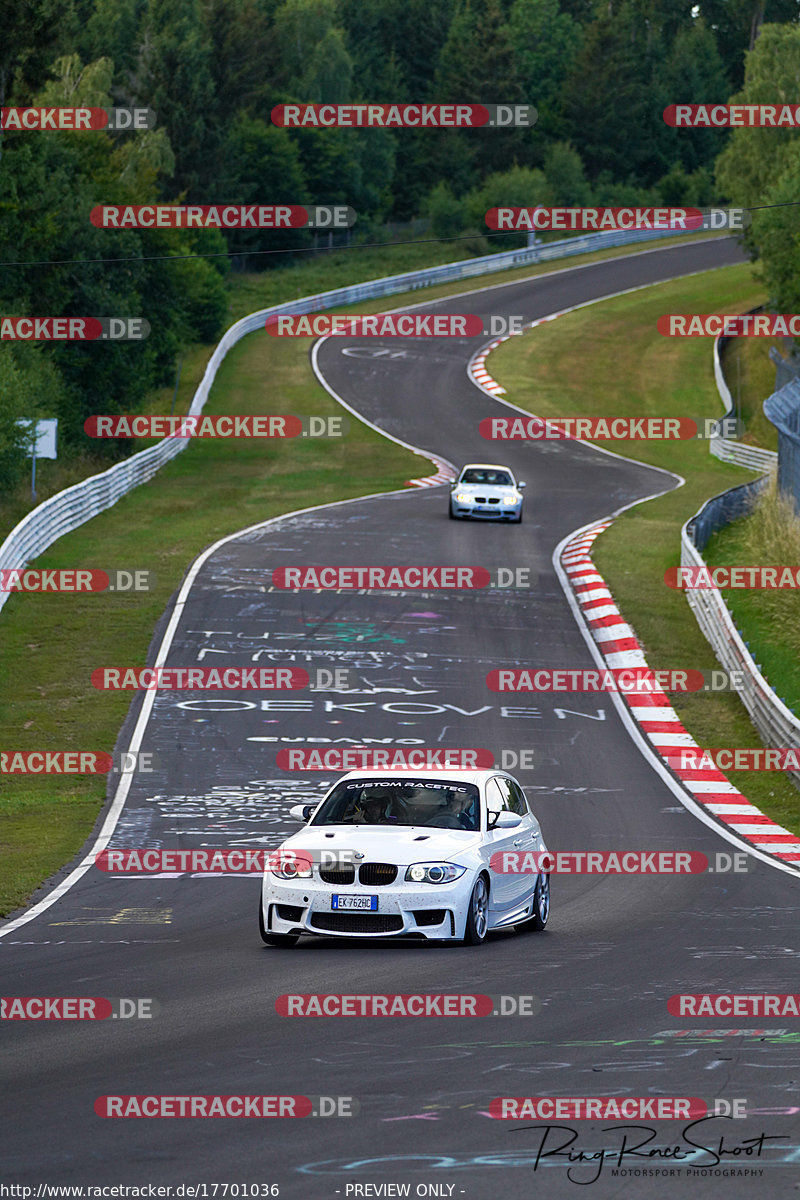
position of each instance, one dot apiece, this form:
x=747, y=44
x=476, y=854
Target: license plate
x=484, y=508
x=370, y=903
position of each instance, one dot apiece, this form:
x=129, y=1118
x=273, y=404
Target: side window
x=519, y=804
x=495, y=800
x=510, y=797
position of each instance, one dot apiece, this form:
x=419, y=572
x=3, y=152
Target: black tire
x=284, y=940
x=518, y=520
x=451, y=514
x=541, y=907
x=477, y=914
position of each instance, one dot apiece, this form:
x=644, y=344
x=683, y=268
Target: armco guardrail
x=69, y=509
x=776, y=724
x=783, y=410
x=725, y=448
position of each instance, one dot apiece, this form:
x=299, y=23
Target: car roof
x=486, y=467
x=476, y=777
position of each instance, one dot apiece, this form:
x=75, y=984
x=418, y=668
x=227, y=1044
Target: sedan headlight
x=510, y=499
x=434, y=872
x=463, y=497
x=290, y=864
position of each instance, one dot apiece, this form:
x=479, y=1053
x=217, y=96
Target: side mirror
x=504, y=820
x=301, y=812
x=521, y=485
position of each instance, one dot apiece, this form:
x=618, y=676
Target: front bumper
x=435, y=912
x=485, y=512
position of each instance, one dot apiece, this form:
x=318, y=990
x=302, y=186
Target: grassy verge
x=52, y=643
x=251, y=291
x=321, y=274
x=751, y=378
x=580, y=365
x=769, y=621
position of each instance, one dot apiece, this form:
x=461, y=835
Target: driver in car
x=374, y=808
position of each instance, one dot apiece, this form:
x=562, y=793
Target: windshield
x=438, y=803
x=484, y=475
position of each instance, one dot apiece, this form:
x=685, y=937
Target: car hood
x=403, y=846
x=496, y=491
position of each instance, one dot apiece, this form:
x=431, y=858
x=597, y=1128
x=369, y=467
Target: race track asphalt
x=616, y=947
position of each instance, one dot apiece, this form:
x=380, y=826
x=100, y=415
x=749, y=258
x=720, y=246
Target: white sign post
x=41, y=443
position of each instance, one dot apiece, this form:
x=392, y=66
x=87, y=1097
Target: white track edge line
x=123, y=787
x=647, y=751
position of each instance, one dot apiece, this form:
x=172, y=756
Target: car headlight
x=510, y=499
x=463, y=497
x=434, y=872
x=290, y=864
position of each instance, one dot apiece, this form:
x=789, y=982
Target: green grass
x=581, y=366
x=750, y=375
x=52, y=643
x=325, y=272
x=251, y=291
x=769, y=621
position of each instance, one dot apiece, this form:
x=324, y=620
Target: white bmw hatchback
x=406, y=854
x=487, y=492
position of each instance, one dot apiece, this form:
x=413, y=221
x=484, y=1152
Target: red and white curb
x=653, y=712
x=444, y=474
x=476, y=368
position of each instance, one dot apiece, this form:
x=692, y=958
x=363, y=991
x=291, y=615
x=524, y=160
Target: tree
x=760, y=167
x=411, y=31
x=245, y=62
x=477, y=65
x=33, y=35
x=49, y=184
x=755, y=158
x=112, y=31
x=546, y=41
x=566, y=183
x=314, y=63
x=680, y=188
x=30, y=388
x=738, y=24
x=175, y=79
x=263, y=166
x=776, y=234
x=694, y=74
x=447, y=214
x=613, y=98
x=520, y=187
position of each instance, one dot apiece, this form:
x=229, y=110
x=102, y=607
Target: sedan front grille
x=377, y=874
x=342, y=875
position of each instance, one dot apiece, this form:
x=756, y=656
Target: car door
x=508, y=889
x=529, y=831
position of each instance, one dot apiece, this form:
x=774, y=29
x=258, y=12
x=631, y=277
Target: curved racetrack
x=615, y=950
